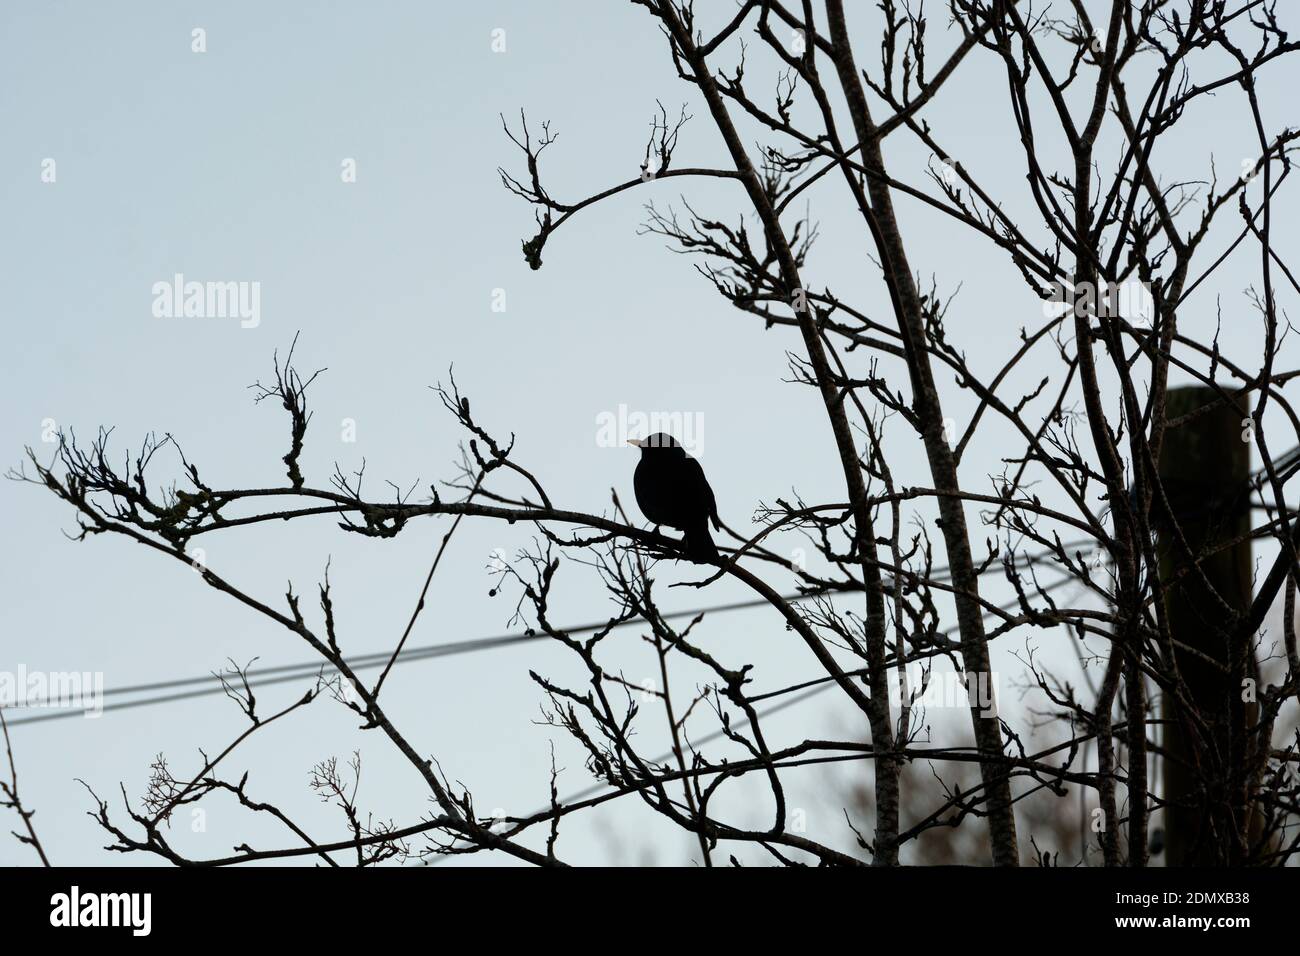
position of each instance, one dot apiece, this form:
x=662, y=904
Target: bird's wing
x=700, y=489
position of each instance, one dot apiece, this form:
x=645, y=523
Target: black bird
x=671, y=490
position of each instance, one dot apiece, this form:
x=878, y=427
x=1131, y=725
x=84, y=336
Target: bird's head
x=660, y=444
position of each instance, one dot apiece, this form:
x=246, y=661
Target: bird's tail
x=699, y=544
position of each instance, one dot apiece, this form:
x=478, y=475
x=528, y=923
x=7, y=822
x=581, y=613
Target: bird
x=671, y=490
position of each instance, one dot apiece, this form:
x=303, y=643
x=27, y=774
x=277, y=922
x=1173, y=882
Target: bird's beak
x=639, y=443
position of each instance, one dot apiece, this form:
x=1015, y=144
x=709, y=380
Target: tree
x=1115, y=256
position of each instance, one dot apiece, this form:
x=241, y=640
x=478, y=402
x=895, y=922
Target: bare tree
x=1080, y=502
x=9, y=799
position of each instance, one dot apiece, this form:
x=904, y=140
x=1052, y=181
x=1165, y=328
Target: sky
x=227, y=165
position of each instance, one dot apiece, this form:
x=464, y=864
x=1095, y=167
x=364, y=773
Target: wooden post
x=1205, y=470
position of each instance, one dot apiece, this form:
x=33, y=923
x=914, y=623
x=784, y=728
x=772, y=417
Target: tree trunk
x=943, y=468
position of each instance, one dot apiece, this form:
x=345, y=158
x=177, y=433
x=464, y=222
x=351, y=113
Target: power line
x=419, y=651
x=279, y=674
x=1284, y=466
x=282, y=673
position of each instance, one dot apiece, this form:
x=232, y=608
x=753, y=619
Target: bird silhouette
x=671, y=490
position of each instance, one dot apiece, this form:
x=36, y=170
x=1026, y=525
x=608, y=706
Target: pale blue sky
x=225, y=166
